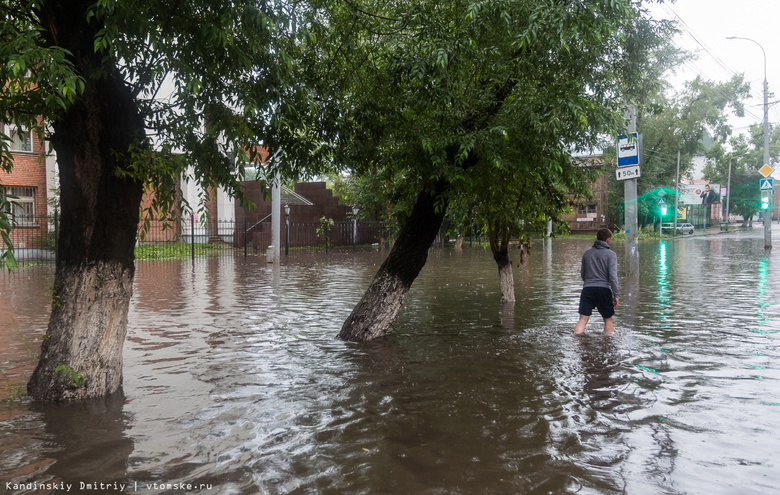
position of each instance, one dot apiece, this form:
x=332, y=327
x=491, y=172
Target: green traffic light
x=663, y=210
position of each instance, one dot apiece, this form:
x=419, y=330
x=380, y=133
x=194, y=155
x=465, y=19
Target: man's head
x=706, y=188
x=604, y=235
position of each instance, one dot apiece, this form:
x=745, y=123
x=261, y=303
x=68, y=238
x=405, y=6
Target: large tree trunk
x=81, y=354
x=381, y=303
x=499, y=236
x=459, y=242
x=505, y=275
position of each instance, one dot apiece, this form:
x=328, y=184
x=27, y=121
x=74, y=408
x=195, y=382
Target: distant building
x=591, y=214
x=31, y=181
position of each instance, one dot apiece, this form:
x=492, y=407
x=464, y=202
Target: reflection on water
x=234, y=382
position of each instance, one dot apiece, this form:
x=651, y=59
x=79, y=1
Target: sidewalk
x=732, y=227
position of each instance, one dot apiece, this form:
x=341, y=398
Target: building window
x=21, y=138
x=592, y=208
x=23, y=204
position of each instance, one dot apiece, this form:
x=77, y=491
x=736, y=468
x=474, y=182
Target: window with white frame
x=22, y=203
x=21, y=138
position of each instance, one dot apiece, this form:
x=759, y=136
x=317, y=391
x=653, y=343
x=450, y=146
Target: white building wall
x=52, y=181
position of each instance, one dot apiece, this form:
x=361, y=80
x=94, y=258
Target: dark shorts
x=597, y=297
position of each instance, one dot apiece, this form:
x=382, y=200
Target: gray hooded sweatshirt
x=599, y=268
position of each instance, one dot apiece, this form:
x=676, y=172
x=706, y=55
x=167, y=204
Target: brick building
x=591, y=214
x=30, y=180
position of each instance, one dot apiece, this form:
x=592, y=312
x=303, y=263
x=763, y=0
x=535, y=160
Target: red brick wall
x=159, y=230
x=29, y=170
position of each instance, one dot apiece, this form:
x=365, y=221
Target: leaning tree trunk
x=498, y=234
x=381, y=303
x=81, y=354
x=459, y=242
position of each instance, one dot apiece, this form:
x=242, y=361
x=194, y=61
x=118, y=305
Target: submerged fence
x=35, y=241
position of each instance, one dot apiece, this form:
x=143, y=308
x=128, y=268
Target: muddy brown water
x=234, y=382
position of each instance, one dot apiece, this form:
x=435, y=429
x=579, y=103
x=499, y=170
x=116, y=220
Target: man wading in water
x=599, y=282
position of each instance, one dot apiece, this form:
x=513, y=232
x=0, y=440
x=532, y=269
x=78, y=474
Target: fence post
x=192, y=235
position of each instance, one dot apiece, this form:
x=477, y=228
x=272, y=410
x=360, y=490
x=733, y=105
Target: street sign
x=628, y=150
x=766, y=184
x=624, y=173
x=661, y=201
x=766, y=170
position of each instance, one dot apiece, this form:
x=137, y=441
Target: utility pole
x=728, y=195
x=768, y=219
x=676, y=193
x=630, y=198
x=276, y=214
x=768, y=212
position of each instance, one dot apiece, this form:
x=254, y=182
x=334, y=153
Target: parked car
x=684, y=228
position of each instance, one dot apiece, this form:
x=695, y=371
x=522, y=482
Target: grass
x=176, y=251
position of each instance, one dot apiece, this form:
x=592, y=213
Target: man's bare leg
x=579, y=328
x=608, y=327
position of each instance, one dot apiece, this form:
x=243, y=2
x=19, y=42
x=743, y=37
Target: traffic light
x=764, y=202
x=663, y=211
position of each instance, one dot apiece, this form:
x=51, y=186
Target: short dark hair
x=603, y=234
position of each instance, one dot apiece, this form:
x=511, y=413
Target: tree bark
x=81, y=354
x=499, y=235
x=459, y=242
x=505, y=275
x=380, y=305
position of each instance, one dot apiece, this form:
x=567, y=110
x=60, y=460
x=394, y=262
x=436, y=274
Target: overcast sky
x=705, y=24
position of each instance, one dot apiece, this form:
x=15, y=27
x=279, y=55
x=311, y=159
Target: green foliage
x=69, y=376
x=15, y=393
x=176, y=251
x=209, y=79
x=56, y=298
x=643, y=234
x=490, y=97
x=322, y=232
x=7, y=257
x=38, y=78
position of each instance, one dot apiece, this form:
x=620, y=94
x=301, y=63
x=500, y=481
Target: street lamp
x=287, y=229
x=355, y=211
x=768, y=214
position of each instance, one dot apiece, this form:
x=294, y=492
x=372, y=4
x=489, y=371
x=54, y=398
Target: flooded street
x=234, y=382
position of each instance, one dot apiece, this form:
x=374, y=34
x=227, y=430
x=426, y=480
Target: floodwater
x=234, y=382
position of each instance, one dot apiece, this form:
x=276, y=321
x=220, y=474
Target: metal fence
x=192, y=237
x=295, y=235
x=34, y=240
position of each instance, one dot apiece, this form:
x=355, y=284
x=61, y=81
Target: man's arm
x=613, y=278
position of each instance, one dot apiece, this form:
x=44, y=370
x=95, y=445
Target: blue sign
x=766, y=184
x=628, y=150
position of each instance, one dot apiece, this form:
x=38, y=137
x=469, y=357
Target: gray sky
x=705, y=24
